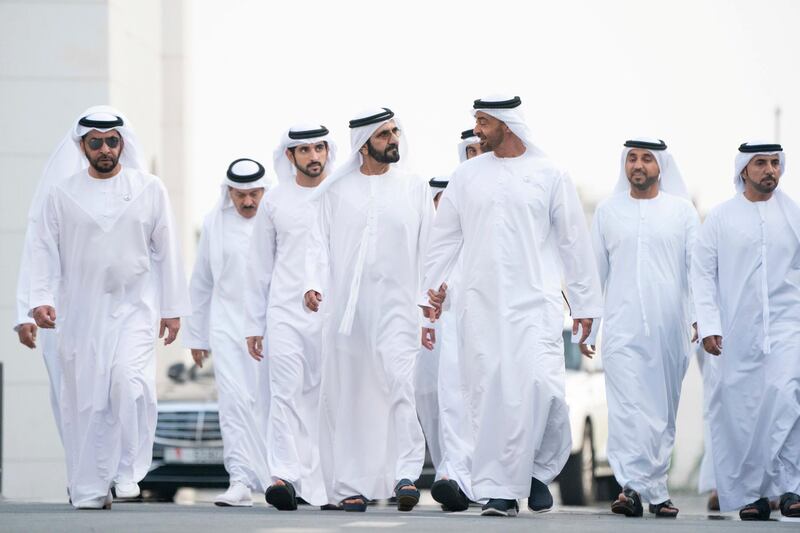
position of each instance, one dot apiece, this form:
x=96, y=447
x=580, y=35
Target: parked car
x=587, y=475
x=187, y=451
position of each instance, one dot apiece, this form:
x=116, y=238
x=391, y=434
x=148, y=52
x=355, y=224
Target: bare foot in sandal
x=665, y=509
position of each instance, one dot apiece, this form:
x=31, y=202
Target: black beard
x=312, y=173
x=390, y=155
x=106, y=166
x=646, y=184
x=765, y=189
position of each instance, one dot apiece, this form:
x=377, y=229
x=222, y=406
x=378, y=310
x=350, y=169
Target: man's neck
x=104, y=175
x=646, y=194
x=755, y=196
x=511, y=147
x=370, y=167
x=306, y=181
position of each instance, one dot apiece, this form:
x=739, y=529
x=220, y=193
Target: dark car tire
x=161, y=494
x=576, y=481
x=607, y=489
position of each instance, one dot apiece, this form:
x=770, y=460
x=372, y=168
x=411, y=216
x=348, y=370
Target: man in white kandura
x=438, y=385
x=746, y=283
x=470, y=146
x=218, y=290
x=106, y=253
x=706, y=483
x=642, y=238
x=275, y=311
x=65, y=161
x=373, y=225
x=426, y=376
x=517, y=221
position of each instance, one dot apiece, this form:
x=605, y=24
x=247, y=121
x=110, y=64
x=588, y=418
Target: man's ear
x=290, y=155
x=363, y=150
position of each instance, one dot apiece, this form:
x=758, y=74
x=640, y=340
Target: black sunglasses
x=95, y=143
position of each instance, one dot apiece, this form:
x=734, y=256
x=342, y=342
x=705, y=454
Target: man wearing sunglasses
x=104, y=270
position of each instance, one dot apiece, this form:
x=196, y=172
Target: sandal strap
x=632, y=495
x=404, y=483
x=761, y=506
x=787, y=500
x=666, y=504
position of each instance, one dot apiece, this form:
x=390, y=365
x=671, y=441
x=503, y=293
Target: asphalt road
x=194, y=512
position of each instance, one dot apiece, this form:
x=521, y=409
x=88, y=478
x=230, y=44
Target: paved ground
x=193, y=513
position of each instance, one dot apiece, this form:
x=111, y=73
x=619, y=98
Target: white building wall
x=58, y=57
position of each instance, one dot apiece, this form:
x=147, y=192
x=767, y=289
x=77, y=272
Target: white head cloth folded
x=295, y=136
x=748, y=151
x=507, y=110
x=243, y=174
x=438, y=185
x=361, y=129
x=670, y=179
x=467, y=137
x=68, y=158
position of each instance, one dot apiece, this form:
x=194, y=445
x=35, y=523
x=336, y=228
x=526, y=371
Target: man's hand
x=694, y=332
x=199, y=356
x=586, y=328
x=255, y=347
x=45, y=316
x=27, y=334
x=713, y=344
x=430, y=313
x=312, y=300
x=428, y=337
x=171, y=327
x=587, y=350
x=436, y=298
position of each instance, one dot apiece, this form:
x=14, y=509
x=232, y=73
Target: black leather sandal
x=787, y=500
x=629, y=505
x=407, y=499
x=282, y=497
x=449, y=495
x=355, y=504
x=758, y=510
x=662, y=510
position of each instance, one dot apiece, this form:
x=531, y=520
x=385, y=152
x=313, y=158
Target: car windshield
x=572, y=354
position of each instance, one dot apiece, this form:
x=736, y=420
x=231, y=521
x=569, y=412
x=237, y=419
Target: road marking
x=296, y=530
x=373, y=524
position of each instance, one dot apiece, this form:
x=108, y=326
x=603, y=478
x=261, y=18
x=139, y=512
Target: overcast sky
x=702, y=75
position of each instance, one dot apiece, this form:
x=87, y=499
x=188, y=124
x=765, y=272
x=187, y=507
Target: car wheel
x=576, y=482
x=607, y=489
x=161, y=494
